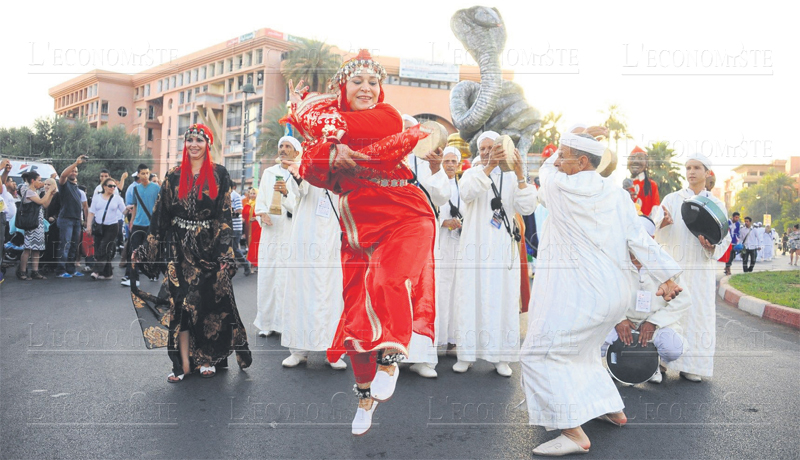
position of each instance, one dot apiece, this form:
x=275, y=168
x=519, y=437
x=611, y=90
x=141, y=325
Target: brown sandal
x=38, y=276
x=22, y=276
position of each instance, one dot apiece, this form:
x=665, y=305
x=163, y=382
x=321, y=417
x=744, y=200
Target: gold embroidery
x=155, y=336
x=349, y=222
x=374, y=321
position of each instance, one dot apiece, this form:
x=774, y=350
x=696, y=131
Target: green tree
x=271, y=130
x=616, y=124
x=774, y=194
x=662, y=170
x=59, y=141
x=313, y=62
x=547, y=134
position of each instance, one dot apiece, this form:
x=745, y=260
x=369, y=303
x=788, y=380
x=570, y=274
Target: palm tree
x=271, y=130
x=547, y=134
x=313, y=62
x=616, y=125
x=665, y=172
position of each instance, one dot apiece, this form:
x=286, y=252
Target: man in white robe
x=768, y=240
x=580, y=292
x=488, y=277
x=273, y=249
x=312, y=303
x=699, y=259
x=433, y=180
x=656, y=320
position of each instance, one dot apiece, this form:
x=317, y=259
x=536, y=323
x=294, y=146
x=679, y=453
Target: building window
x=169, y=104
x=172, y=81
x=259, y=78
x=194, y=75
x=136, y=94
x=259, y=55
x=158, y=86
x=203, y=73
x=189, y=96
x=151, y=112
x=230, y=85
x=150, y=134
x=239, y=61
x=230, y=65
x=240, y=83
x=147, y=90
x=205, y=88
x=122, y=111
x=180, y=97
x=104, y=108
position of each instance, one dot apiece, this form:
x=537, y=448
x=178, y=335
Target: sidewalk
x=758, y=307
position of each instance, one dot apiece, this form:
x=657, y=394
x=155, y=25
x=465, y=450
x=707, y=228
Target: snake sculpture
x=493, y=104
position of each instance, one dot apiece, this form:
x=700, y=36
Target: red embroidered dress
x=388, y=283
x=646, y=201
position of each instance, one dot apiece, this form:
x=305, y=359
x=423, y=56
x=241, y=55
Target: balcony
x=210, y=100
x=233, y=149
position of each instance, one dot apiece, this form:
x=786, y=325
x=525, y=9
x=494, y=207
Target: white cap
x=295, y=143
x=701, y=158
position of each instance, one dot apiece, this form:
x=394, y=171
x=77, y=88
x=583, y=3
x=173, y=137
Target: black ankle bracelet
x=362, y=393
x=388, y=360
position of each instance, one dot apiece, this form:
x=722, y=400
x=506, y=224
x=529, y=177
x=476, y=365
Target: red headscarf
x=361, y=64
x=548, y=150
x=206, y=176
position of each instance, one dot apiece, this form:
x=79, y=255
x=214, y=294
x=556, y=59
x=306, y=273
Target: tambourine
x=506, y=164
x=703, y=217
x=436, y=139
x=632, y=364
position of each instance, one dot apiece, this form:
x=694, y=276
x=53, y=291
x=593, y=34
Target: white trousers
x=669, y=344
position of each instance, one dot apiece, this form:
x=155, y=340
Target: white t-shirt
x=8, y=206
x=115, y=209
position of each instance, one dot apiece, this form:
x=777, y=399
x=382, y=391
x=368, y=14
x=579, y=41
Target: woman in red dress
x=252, y=226
x=355, y=148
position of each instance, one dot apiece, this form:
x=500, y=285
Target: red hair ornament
x=206, y=177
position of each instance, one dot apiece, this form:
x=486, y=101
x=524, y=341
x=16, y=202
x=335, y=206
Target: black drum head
x=632, y=364
x=700, y=221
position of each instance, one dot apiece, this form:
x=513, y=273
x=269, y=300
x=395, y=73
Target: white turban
x=648, y=225
x=576, y=126
x=295, y=143
x=487, y=135
x=701, y=158
x=451, y=149
x=584, y=144
x=411, y=120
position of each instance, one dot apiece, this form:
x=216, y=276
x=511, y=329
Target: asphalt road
x=76, y=382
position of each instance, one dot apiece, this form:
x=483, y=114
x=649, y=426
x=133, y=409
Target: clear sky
x=716, y=77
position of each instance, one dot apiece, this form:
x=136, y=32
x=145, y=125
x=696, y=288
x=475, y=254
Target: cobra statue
x=493, y=104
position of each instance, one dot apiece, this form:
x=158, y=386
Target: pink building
x=206, y=87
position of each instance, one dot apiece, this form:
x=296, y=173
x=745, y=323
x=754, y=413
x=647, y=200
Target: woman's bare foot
x=618, y=417
x=366, y=403
x=578, y=436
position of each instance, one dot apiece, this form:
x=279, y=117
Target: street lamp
x=246, y=89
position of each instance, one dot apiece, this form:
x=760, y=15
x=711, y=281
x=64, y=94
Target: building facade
x=208, y=87
x=747, y=175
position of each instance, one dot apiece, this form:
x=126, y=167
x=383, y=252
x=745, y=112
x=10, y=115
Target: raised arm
x=69, y=169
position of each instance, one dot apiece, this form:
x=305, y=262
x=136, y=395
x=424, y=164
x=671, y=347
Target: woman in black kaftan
x=193, y=233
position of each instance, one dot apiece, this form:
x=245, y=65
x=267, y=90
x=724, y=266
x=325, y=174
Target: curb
x=757, y=307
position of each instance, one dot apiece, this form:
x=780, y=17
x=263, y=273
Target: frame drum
x=632, y=364
x=703, y=217
x=436, y=139
x=506, y=164
x=608, y=163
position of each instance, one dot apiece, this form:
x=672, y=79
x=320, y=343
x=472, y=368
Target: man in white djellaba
x=312, y=303
x=488, y=277
x=699, y=258
x=433, y=180
x=580, y=292
x=273, y=250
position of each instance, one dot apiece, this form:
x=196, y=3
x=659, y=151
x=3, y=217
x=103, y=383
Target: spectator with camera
x=103, y=223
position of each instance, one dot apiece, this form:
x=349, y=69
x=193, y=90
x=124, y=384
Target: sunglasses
x=111, y=186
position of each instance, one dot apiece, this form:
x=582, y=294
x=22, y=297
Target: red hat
x=465, y=164
x=548, y=150
x=638, y=149
x=206, y=176
x=361, y=64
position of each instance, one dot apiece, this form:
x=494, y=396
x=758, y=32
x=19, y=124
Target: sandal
x=204, y=369
x=173, y=376
x=22, y=276
x=38, y=276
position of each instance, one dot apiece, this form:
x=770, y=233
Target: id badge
x=643, y=301
x=455, y=234
x=324, y=207
x=497, y=220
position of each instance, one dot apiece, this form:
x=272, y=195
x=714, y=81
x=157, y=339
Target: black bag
x=27, y=216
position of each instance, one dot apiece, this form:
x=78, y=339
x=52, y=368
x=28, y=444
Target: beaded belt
x=390, y=182
x=191, y=224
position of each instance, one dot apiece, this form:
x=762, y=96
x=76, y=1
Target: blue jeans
x=70, y=234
